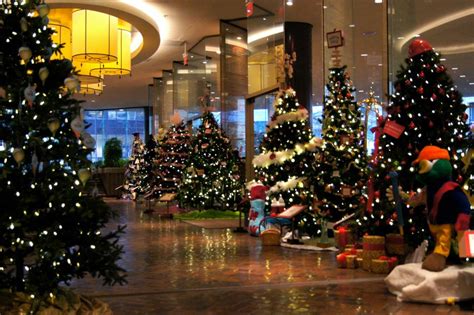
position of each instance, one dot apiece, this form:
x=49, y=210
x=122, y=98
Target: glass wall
x=118, y=123
x=447, y=27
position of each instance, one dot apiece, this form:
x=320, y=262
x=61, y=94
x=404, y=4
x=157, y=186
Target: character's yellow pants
x=442, y=234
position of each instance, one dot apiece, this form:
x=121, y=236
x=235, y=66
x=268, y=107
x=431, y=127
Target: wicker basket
x=270, y=237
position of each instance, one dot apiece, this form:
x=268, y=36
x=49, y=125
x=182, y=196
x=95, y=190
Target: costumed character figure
x=258, y=193
x=448, y=206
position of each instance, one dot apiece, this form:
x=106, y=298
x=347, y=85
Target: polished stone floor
x=178, y=268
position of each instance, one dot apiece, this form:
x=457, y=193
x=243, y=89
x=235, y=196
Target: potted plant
x=112, y=172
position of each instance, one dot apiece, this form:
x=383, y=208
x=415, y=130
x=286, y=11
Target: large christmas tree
x=50, y=232
x=173, y=157
x=425, y=109
x=211, y=178
x=340, y=169
x=135, y=173
x=287, y=153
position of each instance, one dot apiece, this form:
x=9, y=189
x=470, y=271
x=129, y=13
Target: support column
x=298, y=39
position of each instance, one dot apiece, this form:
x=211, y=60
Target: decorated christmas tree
x=341, y=166
x=425, y=109
x=136, y=170
x=211, y=178
x=173, y=157
x=287, y=153
x=150, y=161
x=50, y=233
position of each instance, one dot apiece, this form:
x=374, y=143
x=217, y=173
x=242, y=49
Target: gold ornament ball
x=25, y=53
x=18, y=155
x=84, y=175
x=53, y=125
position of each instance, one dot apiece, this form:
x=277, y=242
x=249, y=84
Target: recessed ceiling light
x=239, y=38
x=352, y=25
x=364, y=55
x=361, y=91
x=471, y=83
x=378, y=1
x=325, y=6
x=417, y=35
x=93, y=101
x=442, y=59
x=289, y=2
x=380, y=65
x=462, y=76
x=204, y=62
x=400, y=37
x=264, y=19
x=454, y=68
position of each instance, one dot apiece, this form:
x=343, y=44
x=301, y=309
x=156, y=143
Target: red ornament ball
x=434, y=97
x=460, y=179
x=377, y=194
x=420, y=90
x=430, y=124
x=387, y=177
x=418, y=46
x=422, y=74
x=272, y=156
x=440, y=68
x=413, y=229
x=407, y=82
x=411, y=125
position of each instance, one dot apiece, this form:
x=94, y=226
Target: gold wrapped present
x=373, y=247
x=359, y=253
x=395, y=244
x=359, y=262
x=343, y=237
x=379, y=266
x=351, y=261
x=270, y=237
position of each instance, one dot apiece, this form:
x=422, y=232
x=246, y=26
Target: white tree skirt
x=410, y=282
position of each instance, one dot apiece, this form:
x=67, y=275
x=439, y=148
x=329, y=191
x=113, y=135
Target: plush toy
x=257, y=206
x=448, y=206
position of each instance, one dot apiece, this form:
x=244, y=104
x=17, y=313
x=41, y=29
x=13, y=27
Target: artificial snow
x=410, y=282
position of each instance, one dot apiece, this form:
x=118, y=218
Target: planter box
x=112, y=177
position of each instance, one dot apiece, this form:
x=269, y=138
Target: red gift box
x=466, y=244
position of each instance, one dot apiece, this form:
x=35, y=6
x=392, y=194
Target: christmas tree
x=150, y=159
x=340, y=170
x=136, y=170
x=425, y=109
x=287, y=152
x=173, y=157
x=211, y=178
x=50, y=232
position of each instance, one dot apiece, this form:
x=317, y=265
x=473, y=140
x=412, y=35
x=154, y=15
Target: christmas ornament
x=418, y=46
x=43, y=10
x=420, y=90
x=23, y=24
x=43, y=74
x=18, y=155
x=422, y=75
x=25, y=54
x=407, y=82
x=34, y=163
x=84, y=175
x=53, y=125
x=77, y=126
x=88, y=140
x=430, y=124
x=434, y=97
x=272, y=156
x=440, y=68
x=72, y=84
x=30, y=94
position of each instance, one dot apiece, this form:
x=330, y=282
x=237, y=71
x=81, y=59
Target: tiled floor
x=178, y=268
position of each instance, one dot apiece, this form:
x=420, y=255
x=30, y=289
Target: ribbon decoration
x=396, y=197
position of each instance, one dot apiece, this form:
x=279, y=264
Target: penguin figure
x=448, y=206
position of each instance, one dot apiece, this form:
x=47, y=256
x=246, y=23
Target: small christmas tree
x=340, y=170
x=150, y=160
x=173, y=157
x=426, y=109
x=284, y=163
x=136, y=170
x=211, y=178
x=50, y=233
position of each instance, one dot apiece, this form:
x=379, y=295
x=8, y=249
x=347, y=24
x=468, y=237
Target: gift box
x=351, y=261
x=395, y=244
x=373, y=247
x=359, y=253
x=466, y=244
x=270, y=237
x=343, y=236
x=359, y=262
x=383, y=264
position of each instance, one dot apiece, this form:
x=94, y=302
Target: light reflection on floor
x=177, y=268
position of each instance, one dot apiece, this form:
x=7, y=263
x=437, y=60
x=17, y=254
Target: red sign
x=393, y=129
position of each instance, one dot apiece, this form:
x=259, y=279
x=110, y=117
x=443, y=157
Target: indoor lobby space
x=236, y=156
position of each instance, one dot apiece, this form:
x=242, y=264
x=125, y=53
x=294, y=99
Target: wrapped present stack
x=373, y=247
x=383, y=264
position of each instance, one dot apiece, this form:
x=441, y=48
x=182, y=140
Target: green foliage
x=50, y=233
x=207, y=214
x=112, y=152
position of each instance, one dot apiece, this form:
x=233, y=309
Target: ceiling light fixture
x=289, y=3
x=378, y=1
